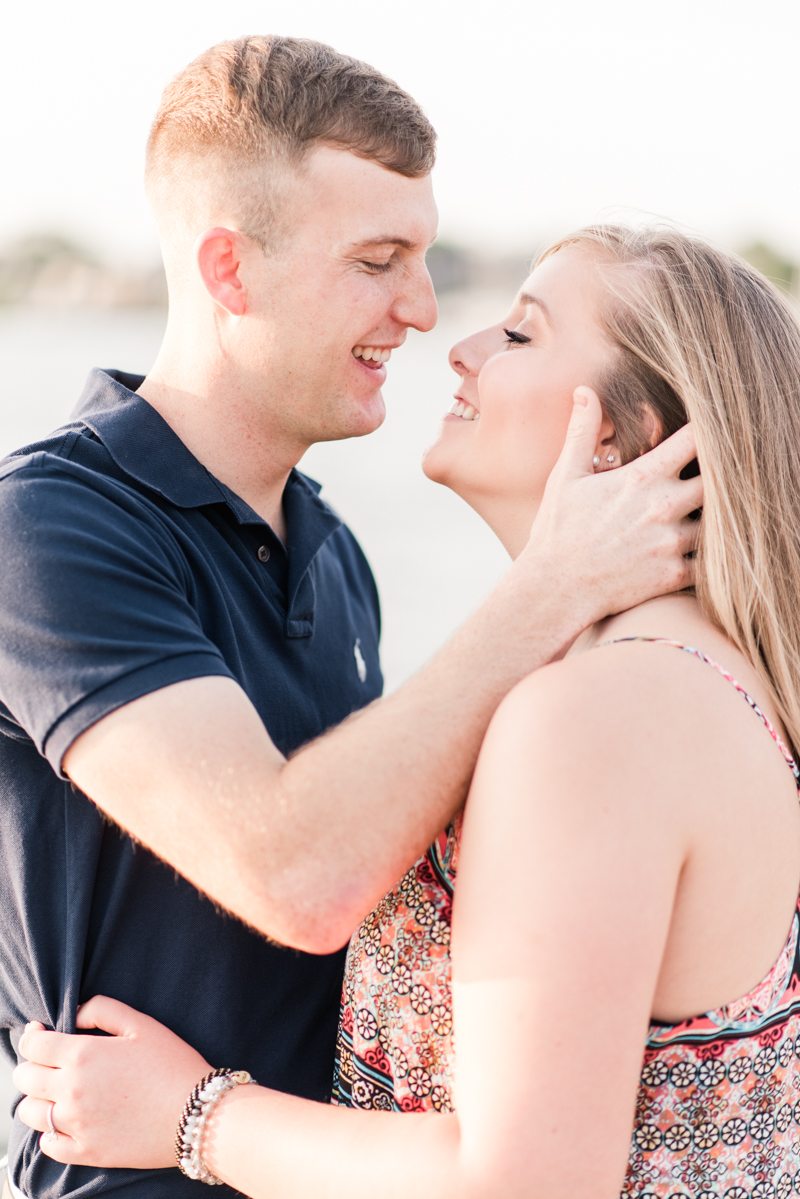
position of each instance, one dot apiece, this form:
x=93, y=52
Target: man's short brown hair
x=250, y=106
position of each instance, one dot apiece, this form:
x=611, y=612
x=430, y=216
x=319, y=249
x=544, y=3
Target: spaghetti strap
x=698, y=653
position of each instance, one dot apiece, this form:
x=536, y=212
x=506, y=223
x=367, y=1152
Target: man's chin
x=367, y=416
x=356, y=419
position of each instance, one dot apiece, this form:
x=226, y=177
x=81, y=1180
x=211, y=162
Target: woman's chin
x=434, y=467
x=441, y=465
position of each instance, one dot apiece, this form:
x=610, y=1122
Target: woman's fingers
x=111, y=1016
x=33, y=1112
x=117, y=1099
x=40, y=1082
x=61, y=1147
x=37, y=1044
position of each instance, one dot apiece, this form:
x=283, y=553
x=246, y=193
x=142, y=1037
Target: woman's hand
x=115, y=1101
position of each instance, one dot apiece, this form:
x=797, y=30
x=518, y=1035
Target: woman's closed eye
x=516, y=339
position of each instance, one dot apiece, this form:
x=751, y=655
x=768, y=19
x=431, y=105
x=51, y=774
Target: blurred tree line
x=49, y=270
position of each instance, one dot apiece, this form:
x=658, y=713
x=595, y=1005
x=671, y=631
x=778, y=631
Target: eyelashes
x=516, y=339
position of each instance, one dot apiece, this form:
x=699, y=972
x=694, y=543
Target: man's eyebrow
x=527, y=299
x=390, y=239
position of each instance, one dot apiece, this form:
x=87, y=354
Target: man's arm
x=303, y=849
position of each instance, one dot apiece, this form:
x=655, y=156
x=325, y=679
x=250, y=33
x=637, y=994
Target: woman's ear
x=606, y=454
x=652, y=427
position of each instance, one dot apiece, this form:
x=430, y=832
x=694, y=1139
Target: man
x=179, y=611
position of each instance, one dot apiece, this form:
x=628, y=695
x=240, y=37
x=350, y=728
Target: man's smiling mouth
x=372, y=356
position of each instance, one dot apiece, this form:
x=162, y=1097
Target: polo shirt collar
x=142, y=443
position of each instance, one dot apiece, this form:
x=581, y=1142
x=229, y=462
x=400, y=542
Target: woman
x=624, y=977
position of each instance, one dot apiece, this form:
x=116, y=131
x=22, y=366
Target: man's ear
x=219, y=259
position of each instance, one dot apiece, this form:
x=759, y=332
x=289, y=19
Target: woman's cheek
x=532, y=438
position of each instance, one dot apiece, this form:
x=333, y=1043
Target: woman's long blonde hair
x=701, y=335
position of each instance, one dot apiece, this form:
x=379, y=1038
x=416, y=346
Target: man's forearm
x=378, y=788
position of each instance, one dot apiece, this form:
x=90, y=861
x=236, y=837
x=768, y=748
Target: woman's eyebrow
x=528, y=300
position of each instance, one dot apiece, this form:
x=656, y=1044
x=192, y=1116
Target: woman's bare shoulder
x=636, y=659
x=646, y=709
x=636, y=678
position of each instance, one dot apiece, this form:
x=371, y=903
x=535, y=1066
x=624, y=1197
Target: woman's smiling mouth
x=464, y=410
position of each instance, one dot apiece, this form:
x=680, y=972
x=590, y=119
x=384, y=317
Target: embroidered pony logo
x=361, y=665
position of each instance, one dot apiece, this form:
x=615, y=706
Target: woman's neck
x=671, y=616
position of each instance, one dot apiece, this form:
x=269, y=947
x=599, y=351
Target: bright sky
x=549, y=115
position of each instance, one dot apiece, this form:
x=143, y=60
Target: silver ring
x=52, y=1133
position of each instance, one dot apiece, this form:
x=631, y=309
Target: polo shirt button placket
x=263, y=553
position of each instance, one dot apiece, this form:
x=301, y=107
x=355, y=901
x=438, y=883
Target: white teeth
x=464, y=410
x=372, y=354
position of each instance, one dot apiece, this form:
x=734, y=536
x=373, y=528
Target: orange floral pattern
x=395, y=1050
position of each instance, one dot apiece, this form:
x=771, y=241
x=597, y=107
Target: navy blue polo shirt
x=125, y=567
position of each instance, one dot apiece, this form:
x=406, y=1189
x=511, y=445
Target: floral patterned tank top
x=718, y=1107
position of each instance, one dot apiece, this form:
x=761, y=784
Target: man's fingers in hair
x=679, y=573
x=688, y=536
x=689, y=574
x=689, y=495
x=672, y=455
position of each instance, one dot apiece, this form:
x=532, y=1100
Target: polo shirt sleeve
x=95, y=604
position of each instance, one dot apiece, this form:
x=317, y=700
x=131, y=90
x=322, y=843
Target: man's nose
x=468, y=356
x=415, y=307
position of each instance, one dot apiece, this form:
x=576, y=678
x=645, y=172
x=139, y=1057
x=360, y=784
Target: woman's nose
x=457, y=361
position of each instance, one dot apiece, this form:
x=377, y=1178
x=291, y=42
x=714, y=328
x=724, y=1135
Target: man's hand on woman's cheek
x=115, y=1101
x=615, y=539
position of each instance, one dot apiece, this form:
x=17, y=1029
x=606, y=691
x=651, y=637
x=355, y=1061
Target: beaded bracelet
x=194, y=1119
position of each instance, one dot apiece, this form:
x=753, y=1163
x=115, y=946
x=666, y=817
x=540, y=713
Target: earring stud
x=610, y=458
x=595, y=461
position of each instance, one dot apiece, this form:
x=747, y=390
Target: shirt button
x=263, y=553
